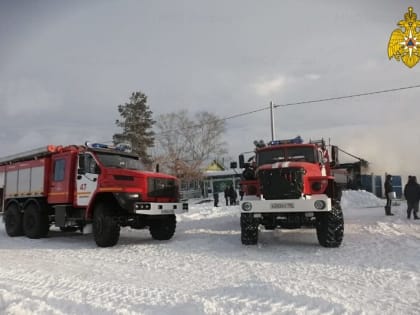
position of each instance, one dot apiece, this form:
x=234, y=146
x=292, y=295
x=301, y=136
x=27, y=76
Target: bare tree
x=185, y=144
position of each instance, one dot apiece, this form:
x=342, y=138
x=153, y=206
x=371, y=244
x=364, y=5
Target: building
x=215, y=179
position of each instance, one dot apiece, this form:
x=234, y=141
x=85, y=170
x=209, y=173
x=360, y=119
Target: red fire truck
x=289, y=184
x=91, y=187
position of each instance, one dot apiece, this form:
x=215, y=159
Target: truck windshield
x=120, y=161
x=305, y=154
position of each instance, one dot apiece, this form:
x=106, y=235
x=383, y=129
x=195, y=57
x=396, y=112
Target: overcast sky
x=66, y=65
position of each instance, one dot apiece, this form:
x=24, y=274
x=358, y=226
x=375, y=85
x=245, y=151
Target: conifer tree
x=136, y=123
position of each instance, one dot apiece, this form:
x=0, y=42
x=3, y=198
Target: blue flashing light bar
x=123, y=147
x=296, y=140
x=97, y=145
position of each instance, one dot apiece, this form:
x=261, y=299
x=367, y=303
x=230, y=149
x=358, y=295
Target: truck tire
x=330, y=227
x=163, y=229
x=249, y=229
x=13, y=220
x=106, y=230
x=35, y=221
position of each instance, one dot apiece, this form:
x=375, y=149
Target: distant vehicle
x=89, y=187
x=289, y=184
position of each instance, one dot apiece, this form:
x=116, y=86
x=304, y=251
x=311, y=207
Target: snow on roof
x=234, y=171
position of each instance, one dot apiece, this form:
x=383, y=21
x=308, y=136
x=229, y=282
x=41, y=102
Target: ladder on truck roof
x=28, y=155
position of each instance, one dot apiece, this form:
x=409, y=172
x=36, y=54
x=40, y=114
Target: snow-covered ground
x=205, y=269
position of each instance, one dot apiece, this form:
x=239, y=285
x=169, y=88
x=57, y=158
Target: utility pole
x=272, y=120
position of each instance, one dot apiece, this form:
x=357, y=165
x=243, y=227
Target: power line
x=348, y=96
x=297, y=103
x=246, y=113
x=324, y=100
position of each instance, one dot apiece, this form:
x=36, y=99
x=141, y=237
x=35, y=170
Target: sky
x=65, y=66
x=205, y=270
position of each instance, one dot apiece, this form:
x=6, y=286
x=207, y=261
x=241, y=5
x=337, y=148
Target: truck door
x=61, y=183
x=86, y=178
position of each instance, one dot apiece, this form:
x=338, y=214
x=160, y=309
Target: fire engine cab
x=289, y=184
x=86, y=187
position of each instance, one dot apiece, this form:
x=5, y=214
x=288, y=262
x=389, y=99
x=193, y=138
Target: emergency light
x=296, y=140
x=123, y=147
x=98, y=145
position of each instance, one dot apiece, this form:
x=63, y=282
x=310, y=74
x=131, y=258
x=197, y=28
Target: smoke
x=388, y=149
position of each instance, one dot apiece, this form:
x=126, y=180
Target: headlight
x=247, y=206
x=320, y=204
x=127, y=199
x=133, y=196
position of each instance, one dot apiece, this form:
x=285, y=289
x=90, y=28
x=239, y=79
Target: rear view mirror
x=241, y=161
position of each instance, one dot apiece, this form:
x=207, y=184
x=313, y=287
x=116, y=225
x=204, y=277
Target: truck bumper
x=156, y=208
x=314, y=203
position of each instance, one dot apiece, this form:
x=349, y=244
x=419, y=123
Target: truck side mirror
x=334, y=155
x=81, y=170
x=241, y=161
x=233, y=165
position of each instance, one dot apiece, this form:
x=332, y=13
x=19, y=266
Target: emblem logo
x=403, y=43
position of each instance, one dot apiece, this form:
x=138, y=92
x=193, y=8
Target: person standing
x=241, y=192
x=216, y=198
x=232, y=195
x=388, y=190
x=227, y=195
x=412, y=195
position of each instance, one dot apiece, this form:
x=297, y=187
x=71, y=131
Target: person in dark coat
x=232, y=195
x=216, y=199
x=241, y=192
x=412, y=195
x=388, y=190
x=227, y=195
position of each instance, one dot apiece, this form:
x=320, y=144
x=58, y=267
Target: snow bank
x=360, y=199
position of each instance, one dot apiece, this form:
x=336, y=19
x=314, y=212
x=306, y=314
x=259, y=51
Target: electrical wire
x=348, y=96
x=276, y=106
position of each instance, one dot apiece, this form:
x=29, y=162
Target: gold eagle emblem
x=403, y=43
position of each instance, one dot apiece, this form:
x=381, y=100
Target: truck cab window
x=59, y=168
x=87, y=164
x=90, y=165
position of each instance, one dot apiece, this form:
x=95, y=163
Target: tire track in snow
x=73, y=295
x=264, y=298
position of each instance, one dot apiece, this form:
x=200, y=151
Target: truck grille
x=281, y=183
x=162, y=187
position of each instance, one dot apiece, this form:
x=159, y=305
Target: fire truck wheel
x=163, y=229
x=106, y=230
x=249, y=229
x=13, y=220
x=330, y=227
x=35, y=221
